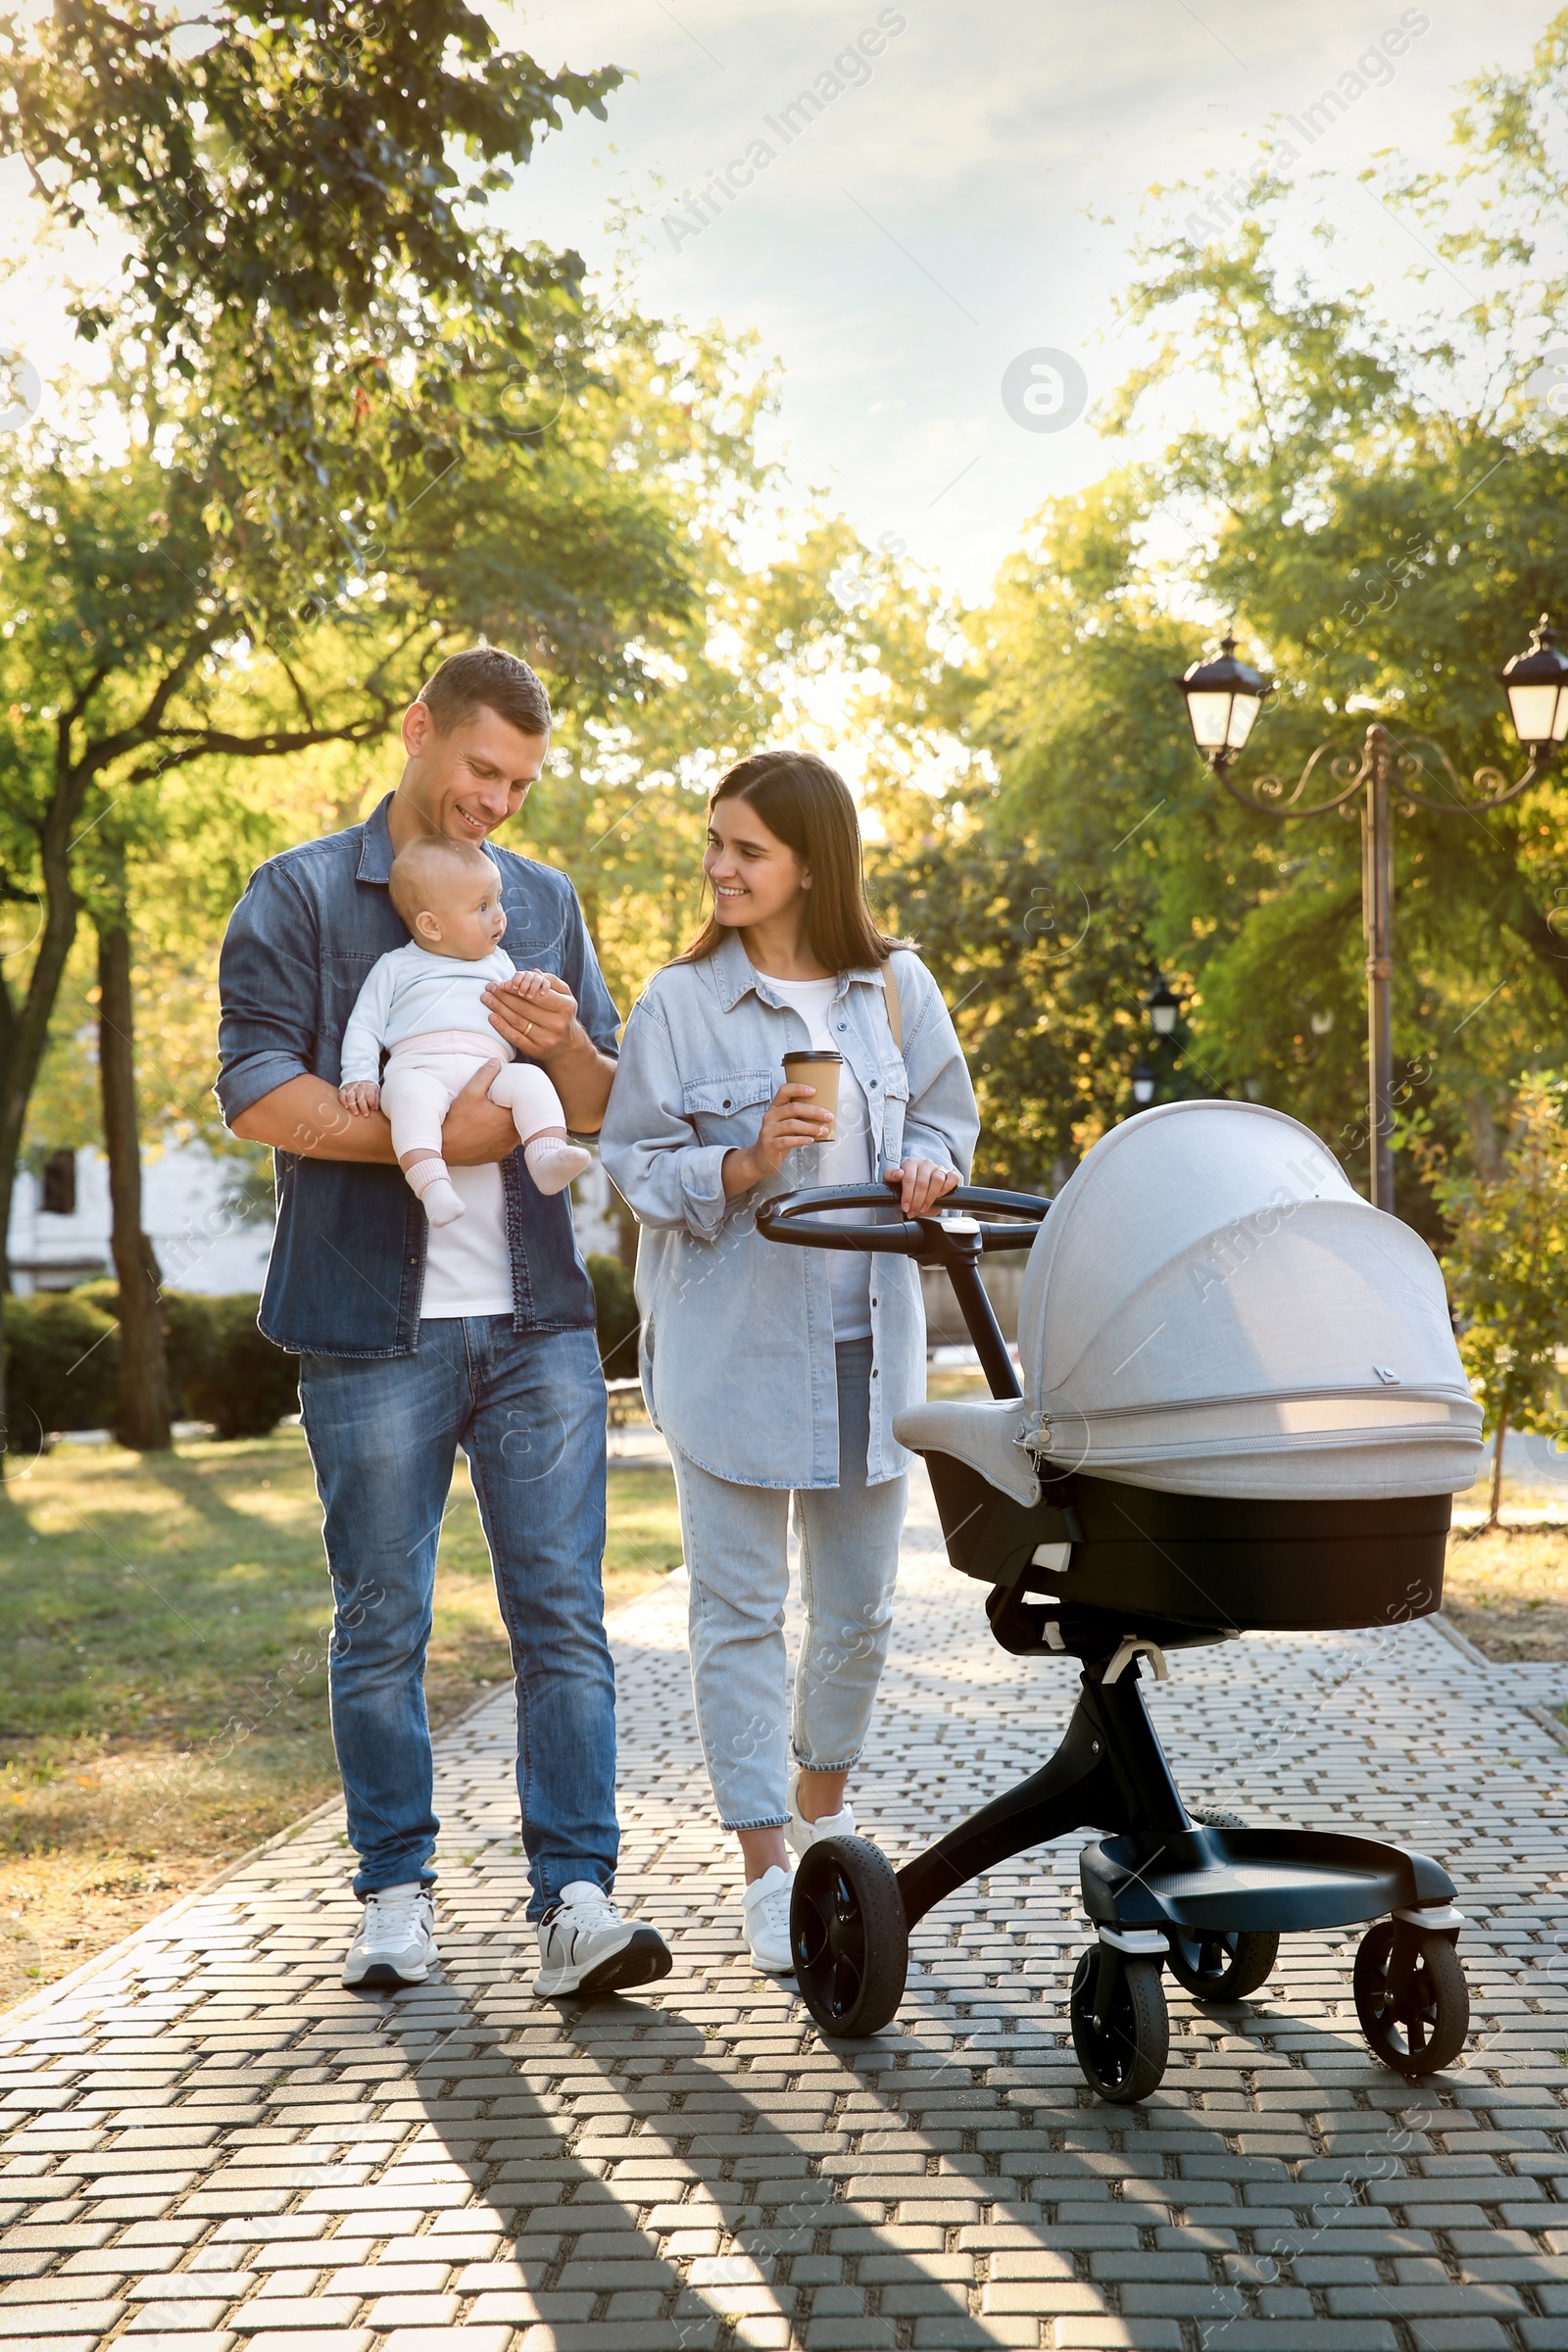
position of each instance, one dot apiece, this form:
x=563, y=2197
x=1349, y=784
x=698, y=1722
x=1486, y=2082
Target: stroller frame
x=1203, y=1895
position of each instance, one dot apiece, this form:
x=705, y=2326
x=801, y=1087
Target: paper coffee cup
x=818, y=1068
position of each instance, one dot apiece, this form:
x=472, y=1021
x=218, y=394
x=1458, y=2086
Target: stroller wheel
x=849, y=1936
x=1124, y=2053
x=1422, y=2029
x=1221, y=1964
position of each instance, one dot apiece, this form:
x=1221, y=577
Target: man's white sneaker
x=396, y=1942
x=586, y=1946
x=803, y=1833
x=765, y=1905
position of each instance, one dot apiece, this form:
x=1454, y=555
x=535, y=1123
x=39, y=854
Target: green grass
x=162, y=1669
x=1507, y=1590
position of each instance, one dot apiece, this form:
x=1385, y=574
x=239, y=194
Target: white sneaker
x=586, y=1946
x=396, y=1942
x=803, y=1833
x=765, y=1905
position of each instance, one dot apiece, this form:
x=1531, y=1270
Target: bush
x=63, y=1367
x=221, y=1368
x=615, y=1316
x=234, y=1377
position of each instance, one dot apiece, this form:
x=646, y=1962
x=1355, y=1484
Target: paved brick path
x=209, y=2140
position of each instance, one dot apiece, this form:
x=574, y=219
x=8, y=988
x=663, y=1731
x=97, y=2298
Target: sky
x=964, y=204
x=925, y=211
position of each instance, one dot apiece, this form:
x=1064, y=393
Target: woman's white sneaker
x=586, y=1946
x=396, y=1942
x=803, y=1833
x=765, y=1906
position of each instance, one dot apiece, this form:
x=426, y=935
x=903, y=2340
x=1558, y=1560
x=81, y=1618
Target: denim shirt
x=738, y=1359
x=347, y=1267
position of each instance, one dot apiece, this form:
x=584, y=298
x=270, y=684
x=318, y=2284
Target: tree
x=1041, y=971
x=302, y=193
x=111, y=675
x=143, y=1416
x=319, y=332
x=1506, y=1264
x=1384, y=519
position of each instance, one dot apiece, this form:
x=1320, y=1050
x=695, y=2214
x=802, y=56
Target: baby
x=426, y=1002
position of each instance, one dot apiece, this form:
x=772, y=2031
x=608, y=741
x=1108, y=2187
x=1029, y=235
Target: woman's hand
x=794, y=1117
x=921, y=1183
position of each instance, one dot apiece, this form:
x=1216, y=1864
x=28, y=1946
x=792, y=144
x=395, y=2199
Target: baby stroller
x=1243, y=1410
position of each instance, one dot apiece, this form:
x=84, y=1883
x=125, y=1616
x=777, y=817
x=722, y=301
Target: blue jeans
x=528, y=1410
x=737, y=1556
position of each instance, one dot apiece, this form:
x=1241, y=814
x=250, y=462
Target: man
x=415, y=1340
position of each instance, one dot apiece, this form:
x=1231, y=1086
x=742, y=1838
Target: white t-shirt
x=845, y=1160
x=468, y=1264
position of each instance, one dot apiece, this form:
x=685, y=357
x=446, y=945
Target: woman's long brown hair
x=808, y=804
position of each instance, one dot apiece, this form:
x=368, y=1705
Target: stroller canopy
x=1211, y=1308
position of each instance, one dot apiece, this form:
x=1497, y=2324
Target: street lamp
x=1142, y=1086
x=1223, y=700
x=1536, y=687
x=1164, y=1006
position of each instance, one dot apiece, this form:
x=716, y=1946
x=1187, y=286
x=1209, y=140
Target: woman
x=775, y=1370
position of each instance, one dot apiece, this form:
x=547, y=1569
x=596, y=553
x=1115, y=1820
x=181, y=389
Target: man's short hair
x=422, y=866
x=484, y=678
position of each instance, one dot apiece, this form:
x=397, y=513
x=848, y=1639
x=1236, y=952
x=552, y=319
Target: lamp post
x=1162, y=1008
x=1223, y=700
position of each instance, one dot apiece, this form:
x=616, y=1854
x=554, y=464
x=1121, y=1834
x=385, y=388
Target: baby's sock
x=552, y=1163
x=435, y=1191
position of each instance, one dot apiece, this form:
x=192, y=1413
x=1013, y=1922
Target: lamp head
x=1223, y=699
x=1142, y=1087
x=1164, y=1006
x=1536, y=686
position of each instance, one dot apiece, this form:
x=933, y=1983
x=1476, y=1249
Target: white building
x=207, y=1237
x=200, y=1229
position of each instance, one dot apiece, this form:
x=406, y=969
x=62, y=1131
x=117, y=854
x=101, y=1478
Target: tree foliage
x=1506, y=1264
x=1382, y=517
x=300, y=189
x=343, y=425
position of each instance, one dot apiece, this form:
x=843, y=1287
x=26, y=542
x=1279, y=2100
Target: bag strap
x=890, y=984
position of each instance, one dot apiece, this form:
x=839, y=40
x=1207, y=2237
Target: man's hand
x=537, y=1015
x=476, y=1130
x=305, y=1115
x=534, y=1011
x=920, y=1184
x=361, y=1095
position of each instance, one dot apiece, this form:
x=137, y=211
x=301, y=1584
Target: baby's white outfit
x=430, y=1012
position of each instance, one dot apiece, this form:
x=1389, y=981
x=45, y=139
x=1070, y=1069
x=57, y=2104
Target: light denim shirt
x=738, y=1359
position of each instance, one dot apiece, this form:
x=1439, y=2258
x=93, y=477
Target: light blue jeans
x=737, y=1556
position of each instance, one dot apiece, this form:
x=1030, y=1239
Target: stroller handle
x=807, y=1218
x=955, y=1243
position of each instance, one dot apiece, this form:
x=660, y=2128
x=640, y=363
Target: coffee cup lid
x=816, y=1053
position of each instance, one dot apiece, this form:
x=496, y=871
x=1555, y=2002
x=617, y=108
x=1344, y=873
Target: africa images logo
x=850, y=70
x=1045, y=390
